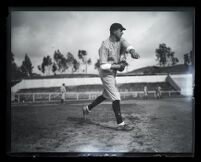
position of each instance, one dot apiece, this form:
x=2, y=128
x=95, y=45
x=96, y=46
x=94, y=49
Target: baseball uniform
x=63, y=91
x=145, y=91
x=109, y=53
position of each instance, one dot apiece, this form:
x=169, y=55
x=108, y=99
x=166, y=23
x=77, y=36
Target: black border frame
x=104, y=154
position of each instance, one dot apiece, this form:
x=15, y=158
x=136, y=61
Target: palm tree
x=82, y=55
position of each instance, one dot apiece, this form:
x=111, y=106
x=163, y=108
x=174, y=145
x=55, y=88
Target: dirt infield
x=163, y=125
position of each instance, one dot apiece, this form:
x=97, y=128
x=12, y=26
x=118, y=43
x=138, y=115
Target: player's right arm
x=129, y=48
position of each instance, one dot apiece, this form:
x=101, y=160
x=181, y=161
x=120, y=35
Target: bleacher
x=77, y=89
x=129, y=87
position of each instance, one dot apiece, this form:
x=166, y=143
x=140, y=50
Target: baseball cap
x=116, y=26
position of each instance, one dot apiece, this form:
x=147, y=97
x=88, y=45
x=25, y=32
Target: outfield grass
x=160, y=126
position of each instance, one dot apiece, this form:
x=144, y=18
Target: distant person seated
x=145, y=92
x=63, y=92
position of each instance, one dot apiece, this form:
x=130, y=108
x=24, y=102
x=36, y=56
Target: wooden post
x=18, y=97
x=33, y=97
x=49, y=97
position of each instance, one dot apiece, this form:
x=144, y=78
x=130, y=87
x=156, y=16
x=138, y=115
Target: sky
x=40, y=33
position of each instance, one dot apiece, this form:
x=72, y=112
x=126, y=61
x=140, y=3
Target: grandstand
x=129, y=87
x=89, y=88
x=51, y=84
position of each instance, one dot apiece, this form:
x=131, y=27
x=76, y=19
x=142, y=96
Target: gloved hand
x=122, y=64
x=119, y=66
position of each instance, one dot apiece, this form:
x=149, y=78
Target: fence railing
x=56, y=96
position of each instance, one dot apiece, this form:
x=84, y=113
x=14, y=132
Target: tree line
x=61, y=63
x=166, y=57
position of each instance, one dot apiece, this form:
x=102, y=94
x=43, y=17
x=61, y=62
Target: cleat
x=125, y=127
x=85, y=111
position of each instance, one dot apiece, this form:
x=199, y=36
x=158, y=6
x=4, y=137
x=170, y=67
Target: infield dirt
x=163, y=125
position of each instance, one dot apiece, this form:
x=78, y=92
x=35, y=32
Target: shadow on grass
x=76, y=120
x=104, y=125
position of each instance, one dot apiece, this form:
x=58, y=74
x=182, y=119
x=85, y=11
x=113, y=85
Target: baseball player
x=158, y=92
x=145, y=92
x=63, y=92
x=111, y=52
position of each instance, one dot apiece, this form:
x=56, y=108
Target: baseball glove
x=123, y=64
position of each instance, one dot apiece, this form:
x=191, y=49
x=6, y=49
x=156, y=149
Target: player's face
x=118, y=34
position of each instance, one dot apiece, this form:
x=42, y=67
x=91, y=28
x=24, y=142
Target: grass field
x=163, y=125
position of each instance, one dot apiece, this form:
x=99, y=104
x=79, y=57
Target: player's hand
x=122, y=64
x=122, y=67
x=134, y=54
x=119, y=66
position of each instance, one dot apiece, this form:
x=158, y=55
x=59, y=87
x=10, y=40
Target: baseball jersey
x=110, y=52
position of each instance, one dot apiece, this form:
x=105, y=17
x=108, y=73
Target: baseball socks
x=121, y=125
x=97, y=101
x=87, y=109
x=117, y=111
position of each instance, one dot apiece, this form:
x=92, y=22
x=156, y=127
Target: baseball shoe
x=125, y=127
x=85, y=111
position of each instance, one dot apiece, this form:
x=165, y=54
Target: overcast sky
x=40, y=33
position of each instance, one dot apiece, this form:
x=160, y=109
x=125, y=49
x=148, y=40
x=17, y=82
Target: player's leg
x=87, y=109
x=97, y=101
x=62, y=98
x=120, y=122
x=117, y=111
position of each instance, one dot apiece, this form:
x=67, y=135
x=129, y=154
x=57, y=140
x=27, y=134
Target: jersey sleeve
x=125, y=45
x=103, y=54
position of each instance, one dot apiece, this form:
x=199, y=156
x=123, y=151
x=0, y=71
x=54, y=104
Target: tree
x=72, y=62
x=89, y=62
x=76, y=65
x=97, y=64
x=26, y=67
x=70, y=59
x=60, y=61
x=165, y=56
x=175, y=60
x=82, y=55
x=13, y=64
x=54, y=68
x=188, y=58
x=40, y=68
x=15, y=70
x=46, y=65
